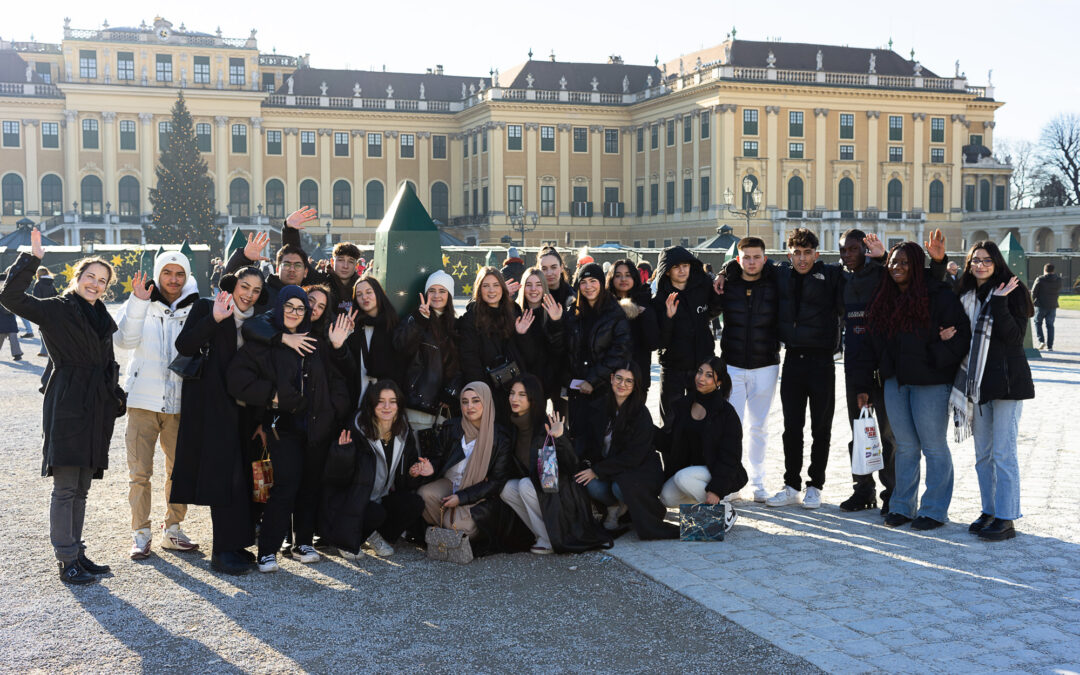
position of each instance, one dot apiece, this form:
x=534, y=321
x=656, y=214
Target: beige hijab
x=484, y=435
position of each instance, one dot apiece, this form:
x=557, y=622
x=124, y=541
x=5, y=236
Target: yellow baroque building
x=575, y=154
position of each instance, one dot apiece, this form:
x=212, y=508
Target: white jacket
x=150, y=327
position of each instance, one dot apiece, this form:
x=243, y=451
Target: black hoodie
x=686, y=339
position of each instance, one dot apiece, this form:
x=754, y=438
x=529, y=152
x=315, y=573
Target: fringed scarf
x=965, y=391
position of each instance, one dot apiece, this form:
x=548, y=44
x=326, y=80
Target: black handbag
x=189, y=367
x=501, y=376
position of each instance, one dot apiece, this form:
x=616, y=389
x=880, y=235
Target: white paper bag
x=866, y=449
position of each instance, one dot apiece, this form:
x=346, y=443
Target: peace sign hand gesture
x=138, y=286
x=223, y=306
x=522, y=323
x=555, y=425
x=256, y=244
x=552, y=307
x=300, y=217
x=425, y=307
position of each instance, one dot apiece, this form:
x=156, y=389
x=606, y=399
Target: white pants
x=687, y=486
x=520, y=495
x=752, y=392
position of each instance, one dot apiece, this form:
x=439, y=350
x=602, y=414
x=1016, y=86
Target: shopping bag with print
x=705, y=522
x=548, y=466
x=866, y=447
x=262, y=475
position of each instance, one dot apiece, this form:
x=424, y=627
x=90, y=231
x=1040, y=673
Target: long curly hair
x=894, y=311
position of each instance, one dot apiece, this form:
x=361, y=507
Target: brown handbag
x=448, y=544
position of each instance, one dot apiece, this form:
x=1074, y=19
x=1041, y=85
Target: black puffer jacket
x=811, y=307
x=427, y=385
x=1007, y=375
x=597, y=346
x=750, y=338
x=687, y=339
x=718, y=448
x=644, y=328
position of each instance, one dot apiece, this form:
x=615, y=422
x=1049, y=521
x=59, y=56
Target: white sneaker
x=379, y=546
x=175, y=539
x=785, y=497
x=611, y=522
x=268, y=563
x=733, y=497
x=760, y=495
x=729, y=516
x=307, y=554
x=352, y=557
x=140, y=544
x=812, y=498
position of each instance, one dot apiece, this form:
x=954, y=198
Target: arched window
x=129, y=197
x=374, y=207
x=748, y=196
x=12, y=189
x=412, y=185
x=275, y=198
x=984, y=195
x=342, y=199
x=795, y=195
x=52, y=196
x=937, y=197
x=846, y=198
x=239, y=198
x=896, y=198
x=90, y=192
x=309, y=194
x=440, y=203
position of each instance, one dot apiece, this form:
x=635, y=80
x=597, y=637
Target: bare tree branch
x=1024, y=181
x=1059, y=146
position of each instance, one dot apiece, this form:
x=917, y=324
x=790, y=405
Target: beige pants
x=144, y=428
x=434, y=514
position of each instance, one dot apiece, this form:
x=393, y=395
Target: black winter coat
x=720, y=444
x=83, y=396
x=426, y=385
x=687, y=339
x=379, y=358
x=542, y=349
x=478, y=351
x=811, y=307
x=598, y=348
x=751, y=309
x=644, y=329
x=1007, y=375
x=1045, y=290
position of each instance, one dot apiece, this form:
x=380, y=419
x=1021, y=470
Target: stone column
x=596, y=189
x=565, y=149
x=221, y=164
x=724, y=153
x=696, y=166
x=359, y=148
x=72, y=141
x=454, y=143
x=146, y=161
x=32, y=183
x=956, y=156
x=326, y=188
x=390, y=147
x=662, y=170
x=292, y=187
x=918, y=181
x=256, y=147
x=532, y=201
x=772, y=163
x=496, y=184
x=873, y=167
x=423, y=154
x=988, y=134
x=646, y=210
x=108, y=156
x=679, y=176
x=821, y=177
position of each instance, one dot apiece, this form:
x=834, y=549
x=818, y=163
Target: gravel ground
x=517, y=613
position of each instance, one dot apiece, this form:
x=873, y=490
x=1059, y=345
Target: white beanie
x=440, y=278
x=171, y=258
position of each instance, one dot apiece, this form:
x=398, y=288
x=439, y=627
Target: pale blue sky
x=1030, y=46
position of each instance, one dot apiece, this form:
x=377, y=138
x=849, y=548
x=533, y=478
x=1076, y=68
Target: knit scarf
x=239, y=318
x=965, y=391
x=477, y=468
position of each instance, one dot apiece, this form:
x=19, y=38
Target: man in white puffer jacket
x=148, y=323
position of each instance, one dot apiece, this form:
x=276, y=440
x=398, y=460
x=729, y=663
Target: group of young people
x=378, y=426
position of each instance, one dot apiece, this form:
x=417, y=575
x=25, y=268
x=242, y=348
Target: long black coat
x=82, y=397
x=379, y=359
x=542, y=350
x=1007, y=375
x=594, y=354
x=720, y=444
x=427, y=385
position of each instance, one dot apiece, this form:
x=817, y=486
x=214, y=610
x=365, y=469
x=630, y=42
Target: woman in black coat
x=542, y=343
x=371, y=345
x=702, y=442
x=623, y=469
x=634, y=297
x=561, y=520
x=82, y=397
x=214, y=446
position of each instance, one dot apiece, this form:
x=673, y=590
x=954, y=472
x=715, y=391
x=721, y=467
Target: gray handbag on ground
x=448, y=544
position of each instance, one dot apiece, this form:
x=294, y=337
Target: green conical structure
x=237, y=241
x=146, y=261
x=407, y=250
x=1017, y=260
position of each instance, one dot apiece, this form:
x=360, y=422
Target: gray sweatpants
x=67, y=510
x=13, y=338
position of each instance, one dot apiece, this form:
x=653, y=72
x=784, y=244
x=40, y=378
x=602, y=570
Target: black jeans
x=674, y=384
x=287, y=458
x=396, y=512
x=310, y=495
x=807, y=377
x=864, y=485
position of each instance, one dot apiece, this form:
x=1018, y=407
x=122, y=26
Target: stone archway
x=1043, y=240
x=1074, y=239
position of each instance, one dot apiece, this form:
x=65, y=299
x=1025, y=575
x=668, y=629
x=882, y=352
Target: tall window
x=749, y=148
x=341, y=144
x=275, y=198
x=547, y=139
x=847, y=126
x=44, y=71
x=969, y=197
x=164, y=67
x=239, y=138
x=581, y=193
x=937, y=155
x=975, y=139
x=937, y=196
x=11, y=134
x=513, y=199
x=687, y=195
x=896, y=128
x=611, y=195
x=52, y=196
x=374, y=145
x=90, y=192
x=937, y=129
x=795, y=150
x=50, y=135
x=749, y=122
x=239, y=198
x=654, y=199
x=795, y=123
x=483, y=141
x=639, y=200
x=795, y=194
x=164, y=129
x=846, y=197
x=438, y=146
x=669, y=197
x=640, y=139
x=581, y=139
x=984, y=195
x=125, y=65
x=611, y=141
x=128, y=194
x=236, y=72
x=654, y=136
x=127, y=134
x=705, y=122
x=374, y=200
x=269, y=83
x=669, y=128
x=896, y=153
x=12, y=189
x=687, y=128
x=705, y=193
x=407, y=145
x=87, y=64
x=847, y=152
x=342, y=194
x=273, y=142
x=895, y=198
x=474, y=143
x=204, y=136
x=201, y=70
x=307, y=143
x=999, y=197
x=440, y=202
x=90, y=134
x=547, y=200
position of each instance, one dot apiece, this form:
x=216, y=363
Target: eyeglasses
x=295, y=310
x=982, y=262
x=292, y=266
x=620, y=380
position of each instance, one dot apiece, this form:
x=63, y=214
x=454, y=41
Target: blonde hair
x=81, y=267
x=532, y=271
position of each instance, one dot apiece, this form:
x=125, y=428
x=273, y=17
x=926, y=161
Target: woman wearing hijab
x=298, y=402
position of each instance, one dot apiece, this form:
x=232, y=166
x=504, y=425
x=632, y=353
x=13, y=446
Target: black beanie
x=589, y=271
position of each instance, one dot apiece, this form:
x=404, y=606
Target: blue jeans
x=919, y=415
x=994, y=428
x=1047, y=315
x=605, y=492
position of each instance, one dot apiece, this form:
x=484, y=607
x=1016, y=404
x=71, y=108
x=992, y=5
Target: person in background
x=1044, y=295
x=558, y=279
x=646, y=271
x=635, y=298
x=9, y=330
x=512, y=269
x=952, y=274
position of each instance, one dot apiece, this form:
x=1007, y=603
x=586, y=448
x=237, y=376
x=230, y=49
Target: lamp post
x=518, y=223
x=750, y=208
x=328, y=234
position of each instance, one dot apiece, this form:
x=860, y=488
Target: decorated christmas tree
x=183, y=197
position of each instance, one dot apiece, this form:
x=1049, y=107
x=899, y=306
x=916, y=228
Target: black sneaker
x=999, y=530
x=73, y=573
x=896, y=520
x=27, y=334
x=925, y=523
x=17, y=357
x=983, y=520
x=858, y=502
x=91, y=566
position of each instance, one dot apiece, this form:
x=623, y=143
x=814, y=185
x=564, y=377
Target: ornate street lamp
x=750, y=206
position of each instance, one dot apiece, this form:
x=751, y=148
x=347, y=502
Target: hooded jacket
x=687, y=339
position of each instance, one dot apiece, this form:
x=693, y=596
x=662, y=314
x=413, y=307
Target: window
x=654, y=199
x=654, y=136
x=669, y=128
x=999, y=197
x=125, y=65
x=547, y=200
x=749, y=122
x=651, y=243
x=87, y=63
x=483, y=141
x=749, y=149
x=705, y=121
x=474, y=143
x=275, y=198
x=164, y=67
x=847, y=152
x=975, y=139
x=236, y=72
x=342, y=194
x=438, y=146
x=795, y=195
x=581, y=194
x=937, y=129
x=937, y=155
x=846, y=198
x=90, y=134
x=513, y=199
x=895, y=198
x=687, y=129
x=50, y=135
x=969, y=197
x=581, y=139
x=341, y=144
x=896, y=128
x=12, y=188
x=127, y=134
x=90, y=192
x=52, y=196
x=847, y=126
x=639, y=200
x=309, y=194
x=611, y=141
x=269, y=83
x=611, y=195
x=547, y=139
x=239, y=138
x=374, y=145
x=984, y=195
x=687, y=195
x=407, y=146
x=795, y=150
x=669, y=197
x=201, y=71
x=239, y=198
x=374, y=208
x=440, y=203
x=937, y=197
x=640, y=139
x=795, y=123
x=44, y=71
x=705, y=193
x=164, y=129
x=204, y=137
x=896, y=153
x=273, y=142
x=11, y=134
x=307, y=143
